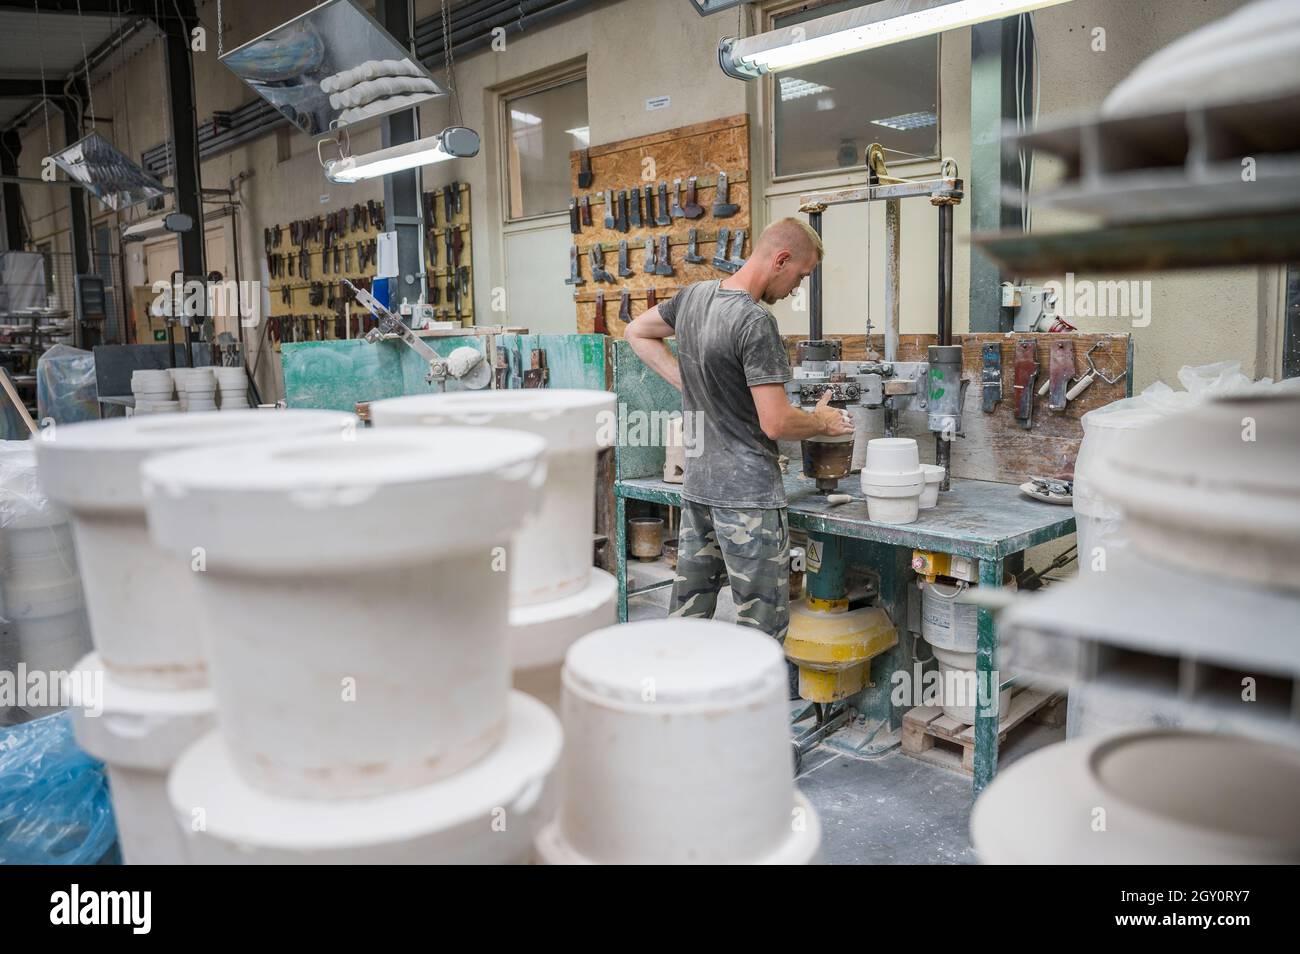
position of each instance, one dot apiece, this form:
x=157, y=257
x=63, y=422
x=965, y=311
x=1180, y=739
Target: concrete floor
x=891, y=809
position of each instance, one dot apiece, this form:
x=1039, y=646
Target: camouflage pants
x=752, y=547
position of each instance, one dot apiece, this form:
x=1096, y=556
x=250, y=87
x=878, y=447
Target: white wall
x=635, y=49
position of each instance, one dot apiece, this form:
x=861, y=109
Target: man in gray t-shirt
x=731, y=368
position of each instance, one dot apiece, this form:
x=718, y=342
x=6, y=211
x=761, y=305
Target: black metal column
x=80, y=221
x=186, y=184
x=10, y=146
x=815, y=287
x=994, y=163
x=403, y=211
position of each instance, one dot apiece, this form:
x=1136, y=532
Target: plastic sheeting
x=65, y=386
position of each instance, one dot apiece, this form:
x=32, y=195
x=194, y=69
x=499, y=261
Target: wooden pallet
x=933, y=737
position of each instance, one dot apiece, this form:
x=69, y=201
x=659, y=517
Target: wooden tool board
x=702, y=150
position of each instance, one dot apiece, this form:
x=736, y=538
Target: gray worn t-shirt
x=726, y=343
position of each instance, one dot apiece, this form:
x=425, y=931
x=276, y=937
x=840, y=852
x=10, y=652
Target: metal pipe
x=815, y=287
x=893, y=246
x=945, y=273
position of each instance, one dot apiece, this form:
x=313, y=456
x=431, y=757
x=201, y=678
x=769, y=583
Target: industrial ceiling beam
x=187, y=189
x=19, y=88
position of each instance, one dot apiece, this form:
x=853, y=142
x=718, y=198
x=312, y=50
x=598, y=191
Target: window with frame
x=825, y=115
x=541, y=128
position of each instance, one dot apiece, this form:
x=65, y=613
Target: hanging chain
x=85, y=62
x=45, y=99
x=220, y=31
x=450, y=66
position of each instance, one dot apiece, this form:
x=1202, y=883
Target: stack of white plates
x=157, y=407
x=233, y=383
x=150, y=386
x=198, y=389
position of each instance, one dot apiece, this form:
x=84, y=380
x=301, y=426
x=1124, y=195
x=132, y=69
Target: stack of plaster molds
x=43, y=622
x=357, y=637
x=140, y=601
x=677, y=751
x=556, y=595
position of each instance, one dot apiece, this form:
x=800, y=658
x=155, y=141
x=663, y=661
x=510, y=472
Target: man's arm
x=782, y=421
x=646, y=335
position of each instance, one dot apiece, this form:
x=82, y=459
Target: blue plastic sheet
x=54, y=807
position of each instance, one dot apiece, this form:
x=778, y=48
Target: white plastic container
x=961, y=690
x=1170, y=797
x=892, y=480
x=139, y=735
x=488, y=813
x=552, y=555
x=930, y=492
x=140, y=600
x=945, y=623
x=356, y=627
x=677, y=750
x=541, y=634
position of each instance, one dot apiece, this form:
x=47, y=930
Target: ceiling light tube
x=863, y=28
x=454, y=142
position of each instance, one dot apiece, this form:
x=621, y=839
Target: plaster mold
x=140, y=599
x=677, y=750
x=356, y=626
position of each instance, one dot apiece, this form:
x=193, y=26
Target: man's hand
x=834, y=421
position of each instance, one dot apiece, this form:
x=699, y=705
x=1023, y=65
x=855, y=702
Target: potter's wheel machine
x=832, y=640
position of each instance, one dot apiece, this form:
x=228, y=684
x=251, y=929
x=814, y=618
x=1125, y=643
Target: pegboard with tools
x=448, y=253
x=652, y=214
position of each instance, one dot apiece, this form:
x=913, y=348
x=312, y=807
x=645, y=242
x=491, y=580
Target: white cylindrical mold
x=677, y=750
x=933, y=474
x=355, y=620
x=552, y=554
x=1098, y=521
x=139, y=599
x=961, y=690
x=488, y=813
x=139, y=734
x=541, y=634
x=892, y=480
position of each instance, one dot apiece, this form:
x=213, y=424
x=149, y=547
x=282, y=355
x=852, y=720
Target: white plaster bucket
x=892, y=480
x=139, y=599
x=488, y=813
x=677, y=750
x=1170, y=796
x=945, y=623
x=139, y=735
x=541, y=634
x=356, y=627
x=552, y=554
x=962, y=686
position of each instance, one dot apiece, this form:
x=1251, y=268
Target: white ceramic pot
x=892, y=480
x=355, y=623
x=552, y=554
x=488, y=813
x=961, y=689
x=1169, y=797
x=140, y=600
x=541, y=634
x=677, y=750
x=139, y=734
x=933, y=474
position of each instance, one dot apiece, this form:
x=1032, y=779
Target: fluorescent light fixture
x=862, y=28
x=795, y=88
x=907, y=121
x=454, y=142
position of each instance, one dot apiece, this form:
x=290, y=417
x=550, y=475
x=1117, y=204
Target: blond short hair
x=790, y=233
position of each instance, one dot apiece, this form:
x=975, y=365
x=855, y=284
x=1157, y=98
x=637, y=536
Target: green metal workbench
x=991, y=523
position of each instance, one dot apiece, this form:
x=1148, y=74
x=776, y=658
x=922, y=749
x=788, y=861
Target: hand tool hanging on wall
x=538, y=374
x=455, y=192
x=1092, y=374
x=620, y=211
x=575, y=274
x=723, y=208
x=1026, y=369
x=663, y=218
x=634, y=206
x=448, y=206
x=991, y=377
x=609, y=208
x=650, y=205
x=736, y=260
x=625, y=307
x=586, y=211
x=692, y=250
x=651, y=298
x=1060, y=371
x=623, y=270
x=598, y=273
x=338, y=259
x=677, y=211
x=692, y=209
x=720, y=251
x=648, y=266
x=662, y=265
x=598, y=320
x=585, y=178
x=457, y=244
x=575, y=223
